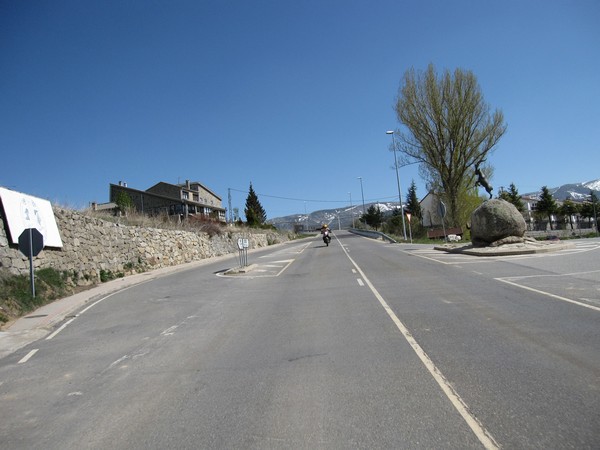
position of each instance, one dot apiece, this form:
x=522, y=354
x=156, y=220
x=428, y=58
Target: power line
x=311, y=200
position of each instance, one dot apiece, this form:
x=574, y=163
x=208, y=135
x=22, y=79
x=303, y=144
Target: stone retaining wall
x=92, y=246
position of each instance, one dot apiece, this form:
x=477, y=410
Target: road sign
x=31, y=242
x=442, y=209
x=240, y=243
x=245, y=243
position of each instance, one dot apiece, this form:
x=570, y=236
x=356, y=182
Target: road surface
x=361, y=344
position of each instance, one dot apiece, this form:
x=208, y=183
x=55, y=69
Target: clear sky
x=293, y=96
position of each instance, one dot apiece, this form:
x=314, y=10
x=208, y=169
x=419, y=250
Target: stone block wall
x=92, y=245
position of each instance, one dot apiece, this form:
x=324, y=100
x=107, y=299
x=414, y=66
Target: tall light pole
x=363, y=194
x=398, y=181
x=351, y=208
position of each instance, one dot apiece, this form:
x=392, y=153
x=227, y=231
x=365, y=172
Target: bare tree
x=450, y=130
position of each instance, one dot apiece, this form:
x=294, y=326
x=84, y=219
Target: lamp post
x=306, y=215
x=398, y=181
x=362, y=194
x=351, y=208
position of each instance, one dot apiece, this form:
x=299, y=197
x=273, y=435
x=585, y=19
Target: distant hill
x=314, y=220
x=573, y=191
x=335, y=218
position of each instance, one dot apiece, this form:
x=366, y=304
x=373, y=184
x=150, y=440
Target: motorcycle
x=326, y=237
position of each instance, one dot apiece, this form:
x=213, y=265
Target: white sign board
x=245, y=243
x=23, y=211
x=240, y=243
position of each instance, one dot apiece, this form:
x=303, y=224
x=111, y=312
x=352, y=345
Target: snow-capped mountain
x=335, y=218
x=573, y=191
x=343, y=217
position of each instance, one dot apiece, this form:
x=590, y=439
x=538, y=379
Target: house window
x=185, y=195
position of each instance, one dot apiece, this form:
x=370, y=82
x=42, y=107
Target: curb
x=507, y=250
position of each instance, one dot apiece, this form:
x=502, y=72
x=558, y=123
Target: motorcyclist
x=325, y=231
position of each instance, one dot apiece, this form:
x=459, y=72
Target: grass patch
x=15, y=292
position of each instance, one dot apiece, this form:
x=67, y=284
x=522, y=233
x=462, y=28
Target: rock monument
x=497, y=222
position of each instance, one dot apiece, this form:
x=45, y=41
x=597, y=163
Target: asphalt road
x=357, y=345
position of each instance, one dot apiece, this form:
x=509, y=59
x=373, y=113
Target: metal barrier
x=373, y=235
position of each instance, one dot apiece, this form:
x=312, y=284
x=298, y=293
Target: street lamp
x=351, y=208
x=363, y=194
x=398, y=181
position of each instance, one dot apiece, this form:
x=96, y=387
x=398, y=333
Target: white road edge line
x=557, y=297
x=58, y=330
x=486, y=439
x=64, y=325
x=28, y=356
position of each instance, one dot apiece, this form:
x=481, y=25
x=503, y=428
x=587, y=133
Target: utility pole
x=230, y=210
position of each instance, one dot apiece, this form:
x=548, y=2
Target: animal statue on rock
x=482, y=180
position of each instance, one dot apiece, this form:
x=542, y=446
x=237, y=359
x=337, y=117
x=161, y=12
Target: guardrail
x=373, y=235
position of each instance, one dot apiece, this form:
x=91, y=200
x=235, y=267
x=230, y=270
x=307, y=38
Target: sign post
x=243, y=245
x=31, y=243
x=408, y=216
x=442, y=210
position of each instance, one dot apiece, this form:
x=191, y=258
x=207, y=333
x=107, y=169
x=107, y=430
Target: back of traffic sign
x=31, y=242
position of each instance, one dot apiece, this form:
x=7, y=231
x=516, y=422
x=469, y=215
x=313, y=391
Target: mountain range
x=343, y=217
x=572, y=191
x=335, y=218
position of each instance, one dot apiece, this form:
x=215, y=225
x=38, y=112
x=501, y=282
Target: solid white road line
x=28, y=356
x=557, y=297
x=64, y=325
x=486, y=439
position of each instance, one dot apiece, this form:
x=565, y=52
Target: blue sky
x=293, y=96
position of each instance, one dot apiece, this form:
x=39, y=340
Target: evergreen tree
x=255, y=214
x=373, y=217
x=569, y=209
x=546, y=205
x=590, y=210
x=412, y=202
x=512, y=196
x=124, y=202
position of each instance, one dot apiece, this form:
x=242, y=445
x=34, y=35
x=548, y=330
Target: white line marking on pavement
x=118, y=361
x=426, y=257
x=554, y=275
x=62, y=327
x=486, y=439
x=557, y=297
x=89, y=307
x=28, y=356
x=360, y=282
x=169, y=331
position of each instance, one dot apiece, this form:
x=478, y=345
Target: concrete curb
x=505, y=250
x=240, y=270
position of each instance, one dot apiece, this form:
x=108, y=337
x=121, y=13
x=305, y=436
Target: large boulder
x=494, y=220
